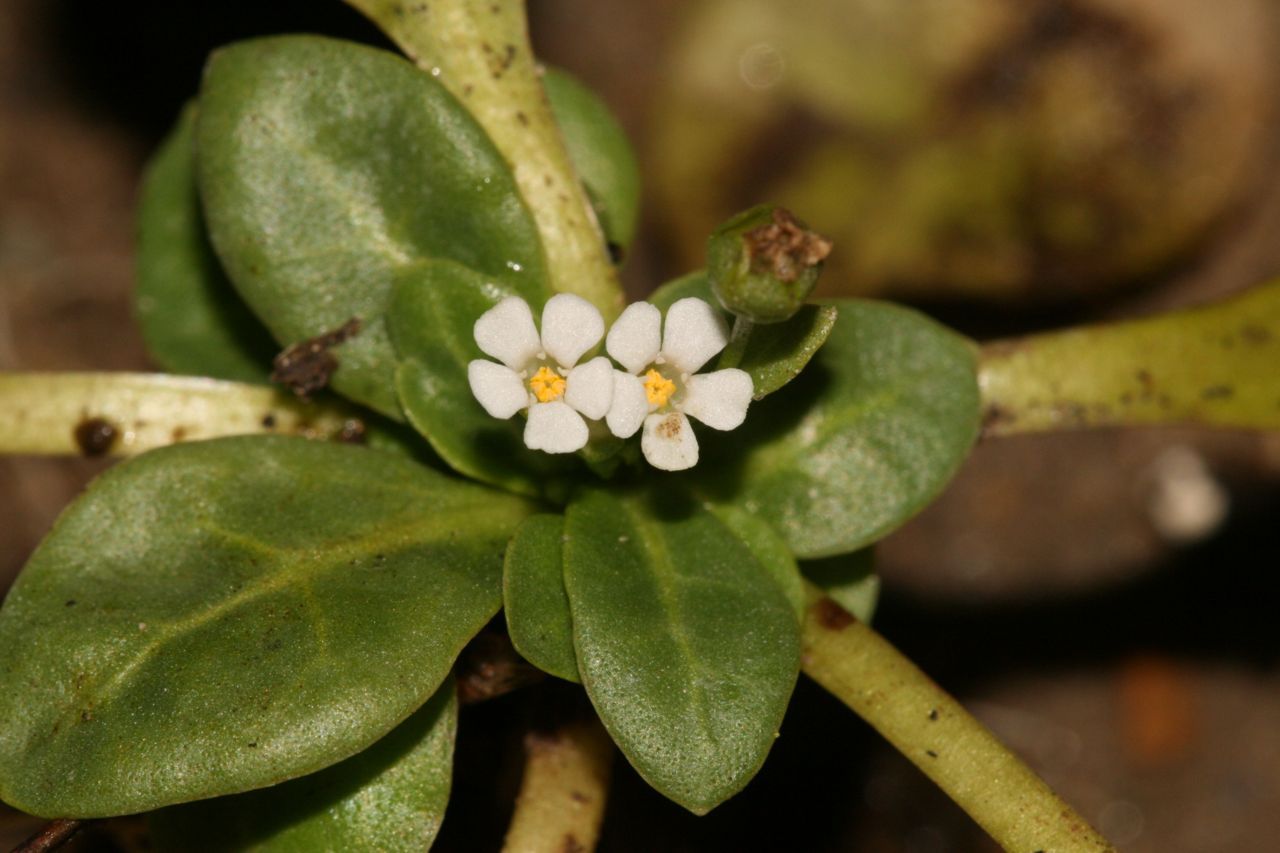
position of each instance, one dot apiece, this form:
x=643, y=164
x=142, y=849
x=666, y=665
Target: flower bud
x=763, y=263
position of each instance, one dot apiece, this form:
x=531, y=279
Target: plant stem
x=480, y=51
x=936, y=734
x=1213, y=365
x=562, y=795
x=126, y=413
x=51, y=836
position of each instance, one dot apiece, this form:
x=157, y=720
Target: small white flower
x=660, y=388
x=539, y=373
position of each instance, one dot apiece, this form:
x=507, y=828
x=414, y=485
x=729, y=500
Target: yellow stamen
x=547, y=385
x=658, y=388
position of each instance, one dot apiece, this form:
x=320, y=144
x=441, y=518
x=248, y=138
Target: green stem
x=480, y=51
x=562, y=795
x=1215, y=365
x=128, y=413
x=936, y=734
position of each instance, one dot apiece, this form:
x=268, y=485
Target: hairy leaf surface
x=687, y=645
x=214, y=617
x=326, y=168
x=869, y=433
x=391, y=797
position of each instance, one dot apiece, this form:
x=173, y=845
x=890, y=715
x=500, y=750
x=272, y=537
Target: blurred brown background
x=1102, y=600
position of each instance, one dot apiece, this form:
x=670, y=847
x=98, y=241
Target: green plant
x=233, y=630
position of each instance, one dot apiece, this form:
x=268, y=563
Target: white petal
x=668, y=442
x=499, y=389
x=570, y=326
x=589, y=387
x=506, y=332
x=629, y=407
x=555, y=428
x=718, y=399
x=695, y=332
x=635, y=337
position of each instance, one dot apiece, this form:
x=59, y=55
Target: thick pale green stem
x=480, y=51
x=1218, y=365
x=562, y=796
x=128, y=413
x=936, y=734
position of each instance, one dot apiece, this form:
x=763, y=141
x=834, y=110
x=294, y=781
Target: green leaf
x=769, y=548
x=872, y=431
x=390, y=797
x=686, y=644
x=601, y=154
x=434, y=310
x=192, y=319
x=1215, y=364
x=848, y=579
x=534, y=600
x=327, y=168
x=219, y=616
x=774, y=353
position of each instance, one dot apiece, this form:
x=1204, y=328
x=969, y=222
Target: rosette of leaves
x=257, y=632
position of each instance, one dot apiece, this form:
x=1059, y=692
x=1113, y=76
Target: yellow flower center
x=658, y=388
x=547, y=385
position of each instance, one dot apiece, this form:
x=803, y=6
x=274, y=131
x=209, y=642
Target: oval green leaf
x=326, y=168
x=686, y=644
x=601, y=154
x=434, y=309
x=872, y=430
x=219, y=616
x=192, y=319
x=533, y=597
x=391, y=797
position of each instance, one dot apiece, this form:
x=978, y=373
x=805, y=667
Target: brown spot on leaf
x=579, y=797
x=571, y=845
x=94, y=436
x=1218, y=392
x=306, y=367
x=784, y=247
x=268, y=421
x=832, y=616
x=178, y=434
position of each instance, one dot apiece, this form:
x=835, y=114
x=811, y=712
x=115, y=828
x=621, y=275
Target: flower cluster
x=658, y=389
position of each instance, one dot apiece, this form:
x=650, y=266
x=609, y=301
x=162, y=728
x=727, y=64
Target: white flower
x=539, y=374
x=659, y=387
